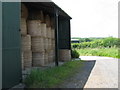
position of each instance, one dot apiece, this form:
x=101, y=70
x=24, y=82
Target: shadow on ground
x=80, y=78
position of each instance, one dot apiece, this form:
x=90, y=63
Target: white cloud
x=92, y=18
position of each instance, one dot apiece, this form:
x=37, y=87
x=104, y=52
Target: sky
x=92, y=18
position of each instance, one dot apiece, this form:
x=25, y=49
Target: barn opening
x=38, y=37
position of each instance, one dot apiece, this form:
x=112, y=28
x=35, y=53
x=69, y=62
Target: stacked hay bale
x=53, y=38
x=65, y=55
x=26, y=54
x=37, y=30
x=50, y=49
x=37, y=37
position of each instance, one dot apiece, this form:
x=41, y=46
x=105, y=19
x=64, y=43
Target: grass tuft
x=51, y=77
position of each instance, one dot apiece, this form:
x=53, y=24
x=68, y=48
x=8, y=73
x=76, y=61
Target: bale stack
x=26, y=51
x=49, y=49
x=53, y=39
x=37, y=30
x=26, y=54
x=38, y=41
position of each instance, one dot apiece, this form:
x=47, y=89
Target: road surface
x=97, y=72
x=104, y=74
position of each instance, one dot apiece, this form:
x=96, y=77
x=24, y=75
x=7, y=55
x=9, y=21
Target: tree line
x=97, y=43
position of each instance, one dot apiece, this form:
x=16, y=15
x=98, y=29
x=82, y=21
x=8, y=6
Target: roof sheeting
x=48, y=7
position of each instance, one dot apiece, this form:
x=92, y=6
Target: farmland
x=108, y=47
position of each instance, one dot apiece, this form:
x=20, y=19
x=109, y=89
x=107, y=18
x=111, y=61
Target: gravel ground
x=97, y=72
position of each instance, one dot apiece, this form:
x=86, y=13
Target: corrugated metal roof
x=48, y=7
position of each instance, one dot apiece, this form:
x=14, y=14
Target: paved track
x=104, y=74
x=97, y=72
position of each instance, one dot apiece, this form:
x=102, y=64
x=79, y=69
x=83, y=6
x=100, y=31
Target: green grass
x=51, y=77
x=108, y=52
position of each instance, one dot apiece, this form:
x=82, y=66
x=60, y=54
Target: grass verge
x=51, y=77
x=108, y=52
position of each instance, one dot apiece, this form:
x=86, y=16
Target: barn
x=34, y=34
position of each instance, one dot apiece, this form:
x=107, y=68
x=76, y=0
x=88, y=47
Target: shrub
x=74, y=54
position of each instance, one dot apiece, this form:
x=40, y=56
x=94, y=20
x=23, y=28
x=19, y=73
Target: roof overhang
x=48, y=7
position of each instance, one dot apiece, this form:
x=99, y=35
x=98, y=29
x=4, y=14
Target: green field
x=107, y=47
x=51, y=77
x=107, y=52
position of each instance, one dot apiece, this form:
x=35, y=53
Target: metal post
x=56, y=38
x=0, y=45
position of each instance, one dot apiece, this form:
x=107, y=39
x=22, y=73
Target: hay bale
x=49, y=32
x=24, y=11
x=53, y=44
x=46, y=57
x=50, y=56
x=46, y=44
x=64, y=55
x=37, y=44
x=26, y=43
x=52, y=23
x=49, y=44
x=27, y=59
x=43, y=30
x=53, y=54
x=34, y=27
x=36, y=15
x=47, y=20
x=40, y=16
x=23, y=26
x=38, y=59
x=53, y=33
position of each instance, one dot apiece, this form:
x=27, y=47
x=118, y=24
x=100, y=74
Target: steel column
x=56, y=38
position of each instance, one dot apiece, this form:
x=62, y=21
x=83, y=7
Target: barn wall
x=11, y=44
x=64, y=34
x=0, y=45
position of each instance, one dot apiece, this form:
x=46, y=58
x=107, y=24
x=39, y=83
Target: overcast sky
x=92, y=18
